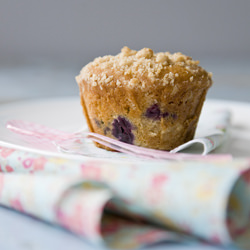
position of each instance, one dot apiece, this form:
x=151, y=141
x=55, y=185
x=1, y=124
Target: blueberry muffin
x=144, y=98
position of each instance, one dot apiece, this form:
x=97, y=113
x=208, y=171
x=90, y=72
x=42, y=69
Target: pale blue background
x=78, y=30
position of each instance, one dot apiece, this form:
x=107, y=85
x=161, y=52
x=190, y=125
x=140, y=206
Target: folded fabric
x=210, y=134
x=158, y=200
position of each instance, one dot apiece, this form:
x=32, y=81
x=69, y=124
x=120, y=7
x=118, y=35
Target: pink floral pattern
x=178, y=195
x=5, y=152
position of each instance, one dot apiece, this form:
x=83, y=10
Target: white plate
x=66, y=114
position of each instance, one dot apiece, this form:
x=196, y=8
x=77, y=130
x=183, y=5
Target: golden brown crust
x=128, y=84
x=142, y=69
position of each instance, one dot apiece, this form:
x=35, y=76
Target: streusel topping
x=130, y=67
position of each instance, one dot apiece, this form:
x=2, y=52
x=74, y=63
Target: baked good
x=144, y=98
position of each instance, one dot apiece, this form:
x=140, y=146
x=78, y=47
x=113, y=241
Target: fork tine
x=113, y=146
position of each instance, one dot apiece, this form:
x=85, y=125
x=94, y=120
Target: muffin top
x=144, y=68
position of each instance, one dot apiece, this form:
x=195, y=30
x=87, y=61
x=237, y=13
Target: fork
x=60, y=138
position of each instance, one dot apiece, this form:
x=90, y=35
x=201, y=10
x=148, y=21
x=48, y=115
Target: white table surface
x=21, y=232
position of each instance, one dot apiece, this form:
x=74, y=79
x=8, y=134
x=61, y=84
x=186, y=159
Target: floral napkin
x=130, y=204
x=211, y=132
